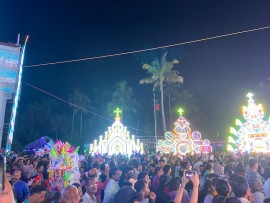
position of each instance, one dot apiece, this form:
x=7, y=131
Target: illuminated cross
x=117, y=111
x=180, y=111
x=250, y=95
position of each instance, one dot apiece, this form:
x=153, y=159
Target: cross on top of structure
x=117, y=112
x=250, y=95
x=180, y=111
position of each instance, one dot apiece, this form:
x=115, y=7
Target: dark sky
x=218, y=72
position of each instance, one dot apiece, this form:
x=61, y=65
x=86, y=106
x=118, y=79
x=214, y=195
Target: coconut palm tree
x=81, y=100
x=122, y=97
x=161, y=72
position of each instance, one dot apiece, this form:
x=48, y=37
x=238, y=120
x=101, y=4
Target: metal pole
x=155, y=118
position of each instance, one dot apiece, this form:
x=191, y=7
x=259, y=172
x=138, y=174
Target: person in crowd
x=20, y=186
x=232, y=200
x=167, y=172
x=79, y=188
x=7, y=195
x=137, y=170
x=266, y=186
x=126, y=176
x=173, y=186
x=144, y=176
x=69, y=194
x=206, y=194
x=239, y=169
x=126, y=194
x=241, y=189
x=145, y=195
x=37, y=195
x=195, y=192
x=112, y=187
x=162, y=184
x=91, y=189
x=27, y=167
x=223, y=189
x=161, y=163
x=151, y=171
x=218, y=169
x=159, y=172
x=228, y=170
x=197, y=165
x=254, y=181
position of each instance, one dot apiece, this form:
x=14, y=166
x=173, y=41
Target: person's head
x=37, y=194
x=115, y=174
x=27, y=162
x=91, y=186
x=167, y=169
x=142, y=187
x=223, y=188
x=128, y=172
x=139, y=168
x=126, y=194
x=16, y=167
x=161, y=163
x=239, y=168
x=79, y=188
x=69, y=194
x=152, y=167
x=144, y=176
x=253, y=164
x=184, y=164
x=16, y=176
x=173, y=184
x=209, y=186
x=92, y=173
x=232, y=200
x=159, y=171
x=40, y=167
x=201, y=167
x=208, y=167
x=240, y=186
x=163, y=197
x=211, y=162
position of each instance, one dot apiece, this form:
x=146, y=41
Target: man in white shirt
x=91, y=189
x=112, y=187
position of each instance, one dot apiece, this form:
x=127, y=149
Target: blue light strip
x=15, y=105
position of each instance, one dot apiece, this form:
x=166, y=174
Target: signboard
x=9, y=67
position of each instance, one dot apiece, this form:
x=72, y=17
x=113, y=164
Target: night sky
x=218, y=72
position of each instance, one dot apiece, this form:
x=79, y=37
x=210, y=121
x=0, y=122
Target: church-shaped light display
x=116, y=140
x=254, y=134
x=182, y=140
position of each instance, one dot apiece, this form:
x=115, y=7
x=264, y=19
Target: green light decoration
x=117, y=112
x=180, y=111
x=238, y=122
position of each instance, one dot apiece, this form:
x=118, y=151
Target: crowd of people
x=141, y=178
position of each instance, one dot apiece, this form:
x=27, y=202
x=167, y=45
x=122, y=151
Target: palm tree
x=122, y=97
x=81, y=100
x=161, y=72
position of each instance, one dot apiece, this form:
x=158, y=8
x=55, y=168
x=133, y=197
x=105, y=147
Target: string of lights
x=79, y=107
x=149, y=49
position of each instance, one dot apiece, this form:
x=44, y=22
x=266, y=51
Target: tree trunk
x=162, y=106
x=81, y=124
x=72, y=128
x=170, y=109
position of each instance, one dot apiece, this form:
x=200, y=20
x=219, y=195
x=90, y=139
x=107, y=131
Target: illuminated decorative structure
x=254, y=134
x=182, y=140
x=116, y=140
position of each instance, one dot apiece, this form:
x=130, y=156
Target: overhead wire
x=148, y=49
x=79, y=107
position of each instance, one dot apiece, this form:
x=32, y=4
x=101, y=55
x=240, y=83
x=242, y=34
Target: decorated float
x=182, y=140
x=253, y=135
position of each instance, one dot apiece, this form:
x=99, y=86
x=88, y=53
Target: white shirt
x=266, y=187
x=244, y=200
x=88, y=199
x=111, y=189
